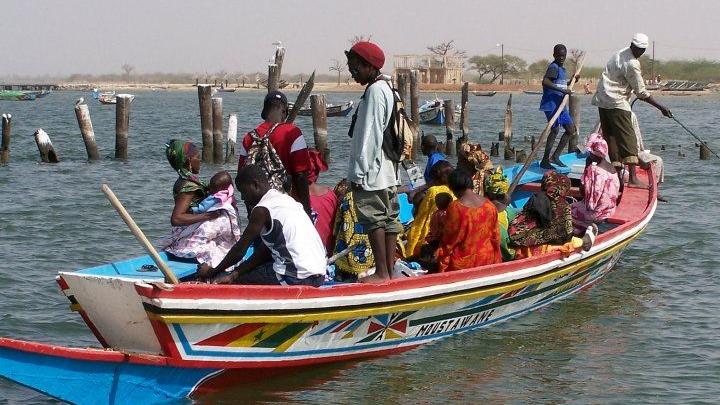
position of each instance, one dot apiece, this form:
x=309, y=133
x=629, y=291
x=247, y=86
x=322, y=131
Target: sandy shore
x=352, y=87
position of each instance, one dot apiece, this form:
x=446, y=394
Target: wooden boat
x=533, y=92
x=165, y=342
x=485, y=93
x=17, y=95
x=433, y=112
x=226, y=90
x=111, y=98
x=332, y=110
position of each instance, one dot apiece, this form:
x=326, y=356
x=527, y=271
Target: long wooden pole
x=415, y=112
x=546, y=131
x=45, y=147
x=301, y=98
x=507, y=130
x=464, y=116
x=319, y=120
x=205, y=101
x=231, y=138
x=449, y=110
x=139, y=235
x=122, y=123
x=574, y=103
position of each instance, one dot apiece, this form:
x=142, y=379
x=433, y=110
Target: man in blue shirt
x=555, y=87
x=429, y=148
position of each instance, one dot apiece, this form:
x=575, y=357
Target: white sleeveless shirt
x=296, y=247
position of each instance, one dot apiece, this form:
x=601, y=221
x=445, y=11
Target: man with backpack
x=279, y=148
x=371, y=171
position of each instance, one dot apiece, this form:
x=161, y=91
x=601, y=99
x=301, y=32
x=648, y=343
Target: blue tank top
x=552, y=98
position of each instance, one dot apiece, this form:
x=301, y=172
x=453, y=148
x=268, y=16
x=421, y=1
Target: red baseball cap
x=370, y=52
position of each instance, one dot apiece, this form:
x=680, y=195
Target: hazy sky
x=97, y=36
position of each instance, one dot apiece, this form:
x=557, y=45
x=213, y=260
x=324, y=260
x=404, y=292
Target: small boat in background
x=485, y=93
x=433, y=112
x=16, y=95
x=111, y=98
x=332, y=110
x=226, y=90
x=533, y=92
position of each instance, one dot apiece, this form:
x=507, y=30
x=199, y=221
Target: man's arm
x=637, y=83
x=369, y=129
x=551, y=74
x=259, y=218
x=301, y=186
x=260, y=256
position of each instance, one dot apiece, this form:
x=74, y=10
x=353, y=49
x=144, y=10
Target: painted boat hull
x=340, y=110
x=485, y=93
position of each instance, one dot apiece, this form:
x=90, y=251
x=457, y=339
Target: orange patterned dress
x=471, y=237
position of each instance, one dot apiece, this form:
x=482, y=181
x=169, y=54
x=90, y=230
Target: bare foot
x=589, y=237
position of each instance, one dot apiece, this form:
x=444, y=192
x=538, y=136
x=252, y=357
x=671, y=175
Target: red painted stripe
x=342, y=326
x=62, y=283
x=232, y=334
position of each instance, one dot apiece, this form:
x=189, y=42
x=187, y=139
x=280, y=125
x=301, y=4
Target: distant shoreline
x=344, y=87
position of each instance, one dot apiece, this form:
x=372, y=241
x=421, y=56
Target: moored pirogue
x=164, y=342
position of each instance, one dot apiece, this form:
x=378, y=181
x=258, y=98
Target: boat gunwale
x=299, y=293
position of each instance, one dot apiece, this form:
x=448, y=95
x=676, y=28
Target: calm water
x=649, y=332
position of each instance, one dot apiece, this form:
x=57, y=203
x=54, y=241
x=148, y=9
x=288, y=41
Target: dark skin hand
x=259, y=219
x=182, y=216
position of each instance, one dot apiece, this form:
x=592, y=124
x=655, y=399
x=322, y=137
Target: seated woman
x=496, y=188
x=471, y=236
x=347, y=233
x=203, y=236
x=545, y=223
x=426, y=254
x=601, y=187
x=426, y=208
x=323, y=200
x=291, y=252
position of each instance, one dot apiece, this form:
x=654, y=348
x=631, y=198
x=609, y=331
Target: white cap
x=640, y=40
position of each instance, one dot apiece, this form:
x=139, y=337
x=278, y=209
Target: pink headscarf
x=597, y=145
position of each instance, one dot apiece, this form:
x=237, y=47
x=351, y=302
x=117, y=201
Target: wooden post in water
x=5, y=145
x=704, y=152
x=217, y=118
x=122, y=122
x=415, y=112
x=402, y=87
x=449, y=108
x=273, y=77
x=319, y=119
x=279, y=58
x=575, y=114
x=82, y=113
x=464, y=115
x=495, y=149
x=232, y=139
x=204, y=97
x=507, y=131
x=520, y=156
x=45, y=146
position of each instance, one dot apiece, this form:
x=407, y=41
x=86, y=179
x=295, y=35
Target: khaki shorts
x=377, y=209
x=618, y=131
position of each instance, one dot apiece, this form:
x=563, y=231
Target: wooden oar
x=546, y=131
x=301, y=98
x=139, y=235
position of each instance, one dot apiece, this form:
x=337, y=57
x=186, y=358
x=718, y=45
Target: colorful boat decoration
x=166, y=342
x=332, y=110
x=433, y=112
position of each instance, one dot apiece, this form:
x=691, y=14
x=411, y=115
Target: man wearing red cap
x=372, y=174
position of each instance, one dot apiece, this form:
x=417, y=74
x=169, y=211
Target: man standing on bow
x=372, y=174
x=621, y=78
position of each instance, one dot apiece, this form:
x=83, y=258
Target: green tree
x=537, y=69
x=492, y=66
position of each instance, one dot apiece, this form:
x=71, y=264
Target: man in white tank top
x=291, y=252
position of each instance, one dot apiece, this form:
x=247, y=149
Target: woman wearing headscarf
x=545, y=224
x=471, y=236
x=496, y=188
x=323, y=200
x=601, y=187
x=205, y=237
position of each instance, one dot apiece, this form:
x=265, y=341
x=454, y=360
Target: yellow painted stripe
x=389, y=307
x=257, y=335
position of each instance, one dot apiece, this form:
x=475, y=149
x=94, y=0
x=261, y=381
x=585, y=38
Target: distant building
x=433, y=69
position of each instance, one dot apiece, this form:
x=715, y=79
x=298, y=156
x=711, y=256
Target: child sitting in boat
x=291, y=252
x=426, y=252
x=600, y=185
x=496, y=188
x=220, y=189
